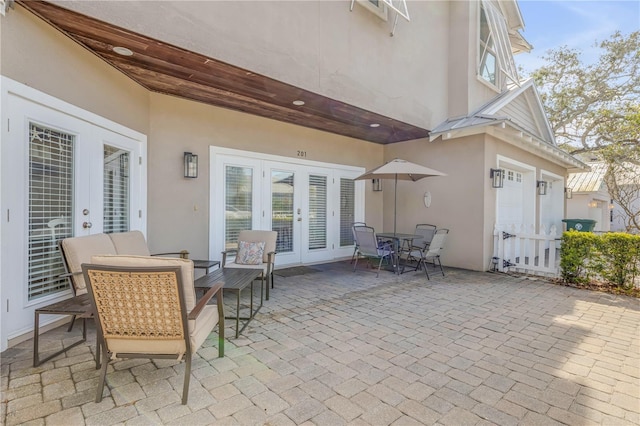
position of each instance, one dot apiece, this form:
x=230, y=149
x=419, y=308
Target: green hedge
x=612, y=257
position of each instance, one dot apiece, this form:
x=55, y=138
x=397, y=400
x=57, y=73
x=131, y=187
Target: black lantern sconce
x=190, y=165
x=568, y=193
x=376, y=184
x=542, y=187
x=497, y=178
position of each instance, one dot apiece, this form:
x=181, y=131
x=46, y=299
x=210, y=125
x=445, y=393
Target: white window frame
x=499, y=34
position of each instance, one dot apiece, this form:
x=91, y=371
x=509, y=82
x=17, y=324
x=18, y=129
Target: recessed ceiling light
x=122, y=51
x=298, y=103
x=374, y=125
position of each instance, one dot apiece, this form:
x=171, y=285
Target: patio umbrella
x=399, y=170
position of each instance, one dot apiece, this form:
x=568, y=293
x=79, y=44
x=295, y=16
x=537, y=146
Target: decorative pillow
x=250, y=253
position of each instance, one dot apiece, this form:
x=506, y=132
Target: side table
x=235, y=280
x=205, y=264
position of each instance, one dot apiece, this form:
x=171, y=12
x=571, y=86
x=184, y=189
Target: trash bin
x=582, y=225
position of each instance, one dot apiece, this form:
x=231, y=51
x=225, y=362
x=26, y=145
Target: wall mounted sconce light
x=568, y=193
x=377, y=185
x=542, y=187
x=190, y=165
x=497, y=178
x=593, y=204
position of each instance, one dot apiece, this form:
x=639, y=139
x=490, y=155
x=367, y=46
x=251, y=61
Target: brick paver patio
x=336, y=347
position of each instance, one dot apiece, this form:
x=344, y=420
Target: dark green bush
x=612, y=257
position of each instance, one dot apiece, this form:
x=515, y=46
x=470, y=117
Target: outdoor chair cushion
x=79, y=250
x=268, y=237
x=250, y=253
x=130, y=243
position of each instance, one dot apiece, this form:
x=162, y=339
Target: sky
x=578, y=24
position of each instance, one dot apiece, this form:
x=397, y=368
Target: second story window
x=488, y=60
x=496, y=62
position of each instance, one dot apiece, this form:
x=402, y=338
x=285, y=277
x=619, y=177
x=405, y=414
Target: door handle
x=87, y=225
x=299, y=219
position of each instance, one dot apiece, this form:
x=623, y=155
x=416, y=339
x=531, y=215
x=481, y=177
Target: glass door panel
x=116, y=183
x=347, y=211
x=282, y=209
x=51, y=189
x=317, y=221
x=238, y=212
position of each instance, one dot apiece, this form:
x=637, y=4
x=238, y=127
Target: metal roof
x=592, y=181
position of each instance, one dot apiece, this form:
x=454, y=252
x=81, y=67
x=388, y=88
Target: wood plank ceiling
x=171, y=70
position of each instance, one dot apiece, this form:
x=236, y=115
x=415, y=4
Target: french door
x=298, y=203
x=311, y=205
x=61, y=177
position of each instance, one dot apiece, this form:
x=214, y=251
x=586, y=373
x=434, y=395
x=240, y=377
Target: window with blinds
x=238, y=203
x=50, y=208
x=116, y=190
x=317, y=212
x=282, y=209
x=347, y=211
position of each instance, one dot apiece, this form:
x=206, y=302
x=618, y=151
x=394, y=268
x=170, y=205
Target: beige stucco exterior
x=424, y=74
x=179, y=208
x=307, y=53
x=319, y=51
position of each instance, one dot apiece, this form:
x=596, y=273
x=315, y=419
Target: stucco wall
x=457, y=199
x=179, y=207
x=463, y=201
x=36, y=54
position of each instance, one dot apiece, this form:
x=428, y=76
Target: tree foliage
x=591, y=106
x=594, y=110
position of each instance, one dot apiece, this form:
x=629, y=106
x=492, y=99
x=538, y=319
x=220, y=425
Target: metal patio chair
x=355, y=243
x=370, y=248
x=432, y=253
x=426, y=233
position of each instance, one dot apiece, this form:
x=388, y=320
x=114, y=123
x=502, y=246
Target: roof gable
x=515, y=116
x=523, y=107
x=520, y=106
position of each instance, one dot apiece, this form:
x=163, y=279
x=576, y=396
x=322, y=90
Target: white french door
x=297, y=205
x=62, y=176
x=311, y=205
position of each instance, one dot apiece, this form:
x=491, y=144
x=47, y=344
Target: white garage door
x=510, y=200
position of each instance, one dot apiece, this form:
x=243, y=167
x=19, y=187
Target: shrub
x=577, y=248
x=619, y=255
x=613, y=257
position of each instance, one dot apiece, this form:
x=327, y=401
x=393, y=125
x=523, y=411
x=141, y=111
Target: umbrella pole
x=395, y=205
x=396, y=246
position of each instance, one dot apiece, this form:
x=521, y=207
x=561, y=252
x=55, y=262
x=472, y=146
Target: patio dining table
x=399, y=241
